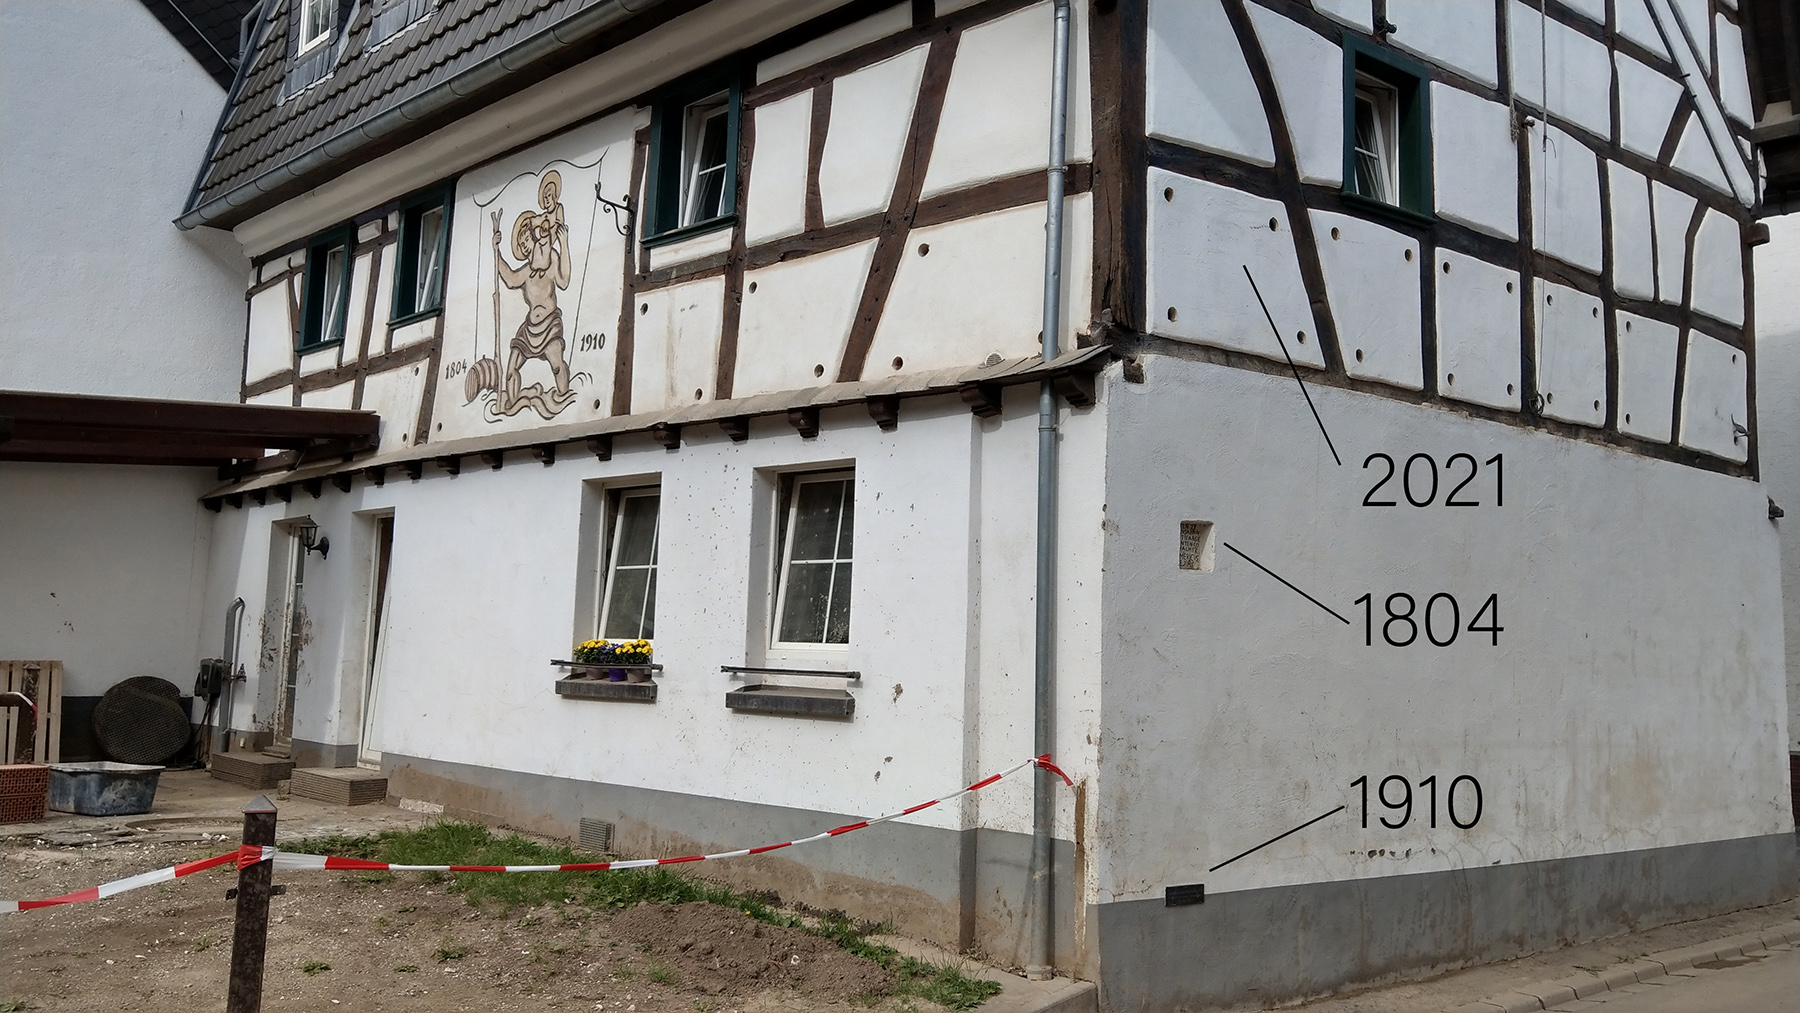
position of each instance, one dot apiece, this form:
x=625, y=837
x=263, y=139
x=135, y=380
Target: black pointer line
x=1279, y=577
x=1296, y=369
x=1272, y=840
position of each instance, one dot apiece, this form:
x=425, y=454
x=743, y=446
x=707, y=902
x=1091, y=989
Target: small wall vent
x=596, y=836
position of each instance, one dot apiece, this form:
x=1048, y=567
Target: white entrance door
x=380, y=599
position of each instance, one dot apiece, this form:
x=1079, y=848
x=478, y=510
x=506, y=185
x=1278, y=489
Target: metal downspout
x=1041, y=964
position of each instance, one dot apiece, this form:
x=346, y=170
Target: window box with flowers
x=608, y=670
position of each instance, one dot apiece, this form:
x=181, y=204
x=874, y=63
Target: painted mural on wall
x=540, y=240
x=535, y=285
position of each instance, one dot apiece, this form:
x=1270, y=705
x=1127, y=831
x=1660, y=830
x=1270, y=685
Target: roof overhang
x=89, y=429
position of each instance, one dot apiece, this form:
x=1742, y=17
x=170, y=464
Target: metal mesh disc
x=141, y=720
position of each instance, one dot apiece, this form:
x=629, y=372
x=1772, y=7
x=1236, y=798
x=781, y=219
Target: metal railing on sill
x=603, y=666
x=756, y=670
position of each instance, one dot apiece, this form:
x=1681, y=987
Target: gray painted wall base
x=959, y=889
x=306, y=753
x=1260, y=947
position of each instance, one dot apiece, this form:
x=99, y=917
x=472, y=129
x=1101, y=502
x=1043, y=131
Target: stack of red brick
x=24, y=792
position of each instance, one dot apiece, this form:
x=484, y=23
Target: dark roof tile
x=264, y=129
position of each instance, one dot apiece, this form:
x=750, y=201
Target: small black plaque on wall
x=1181, y=896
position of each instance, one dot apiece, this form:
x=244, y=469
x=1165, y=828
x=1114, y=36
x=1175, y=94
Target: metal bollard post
x=250, y=933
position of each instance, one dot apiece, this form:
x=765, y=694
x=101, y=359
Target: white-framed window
x=812, y=596
x=1377, y=141
x=317, y=18
x=705, y=159
x=628, y=600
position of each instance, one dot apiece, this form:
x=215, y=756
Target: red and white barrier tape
x=249, y=855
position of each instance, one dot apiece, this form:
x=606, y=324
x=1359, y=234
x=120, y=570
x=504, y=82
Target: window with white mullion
x=316, y=17
x=812, y=605
x=1377, y=141
x=629, y=602
x=428, y=277
x=706, y=160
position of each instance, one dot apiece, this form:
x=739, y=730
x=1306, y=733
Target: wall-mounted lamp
x=311, y=540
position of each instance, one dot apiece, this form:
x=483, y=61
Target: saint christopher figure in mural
x=540, y=240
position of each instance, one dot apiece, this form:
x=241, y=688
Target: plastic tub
x=103, y=788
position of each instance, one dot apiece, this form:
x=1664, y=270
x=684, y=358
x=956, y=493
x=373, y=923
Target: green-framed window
x=325, y=297
x=693, y=157
x=424, y=254
x=1387, y=129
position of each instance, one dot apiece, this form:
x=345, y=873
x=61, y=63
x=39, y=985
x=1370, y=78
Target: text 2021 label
x=1420, y=480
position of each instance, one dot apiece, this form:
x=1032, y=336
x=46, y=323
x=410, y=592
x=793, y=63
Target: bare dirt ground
x=376, y=942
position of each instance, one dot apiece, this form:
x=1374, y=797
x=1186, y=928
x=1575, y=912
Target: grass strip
x=452, y=842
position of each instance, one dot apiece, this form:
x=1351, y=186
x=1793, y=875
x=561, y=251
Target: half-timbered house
x=754, y=331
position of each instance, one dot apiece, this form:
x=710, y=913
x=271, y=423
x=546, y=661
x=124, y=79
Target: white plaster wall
x=1734, y=77
x=1459, y=35
x=1372, y=279
x=1565, y=189
x=1573, y=67
x=1633, y=249
x=482, y=603
x=1617, y=695
x=340, y=396
x=101, y=294
x=871, y=118
x=1646, y=106
x=1719, y=269
x=877, y=26
x=1778, y=421
x=677, y=345
x=1646, y=376
x=1309, y=80
x=996, y=118
x=1201, y=236
x=1636, y=24
x=776, y=204
x=1571, y=354
x=979, y=290
x=1714, y=399
x=1475, y=166
x=1696, y=156
x=102, y=568
x=1477, y=331
x=394, y=395
x=270, y=347
x=796, y=319
x=1199, y=90
x=1673, y=210
x=1356, y=13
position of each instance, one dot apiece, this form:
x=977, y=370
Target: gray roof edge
x=346, y=144
x=934, y=383
x=245, y=60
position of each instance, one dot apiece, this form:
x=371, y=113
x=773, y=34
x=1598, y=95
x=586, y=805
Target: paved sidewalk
x=1766, y=982
x=1609, y=970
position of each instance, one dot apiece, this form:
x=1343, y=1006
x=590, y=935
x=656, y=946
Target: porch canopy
x=90, y=429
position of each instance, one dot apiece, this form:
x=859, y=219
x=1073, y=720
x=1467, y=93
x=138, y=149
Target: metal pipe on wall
x=234, y=629
x=1041, y=963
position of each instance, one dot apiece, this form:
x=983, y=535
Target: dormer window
x=693, y=158
x=317, y=18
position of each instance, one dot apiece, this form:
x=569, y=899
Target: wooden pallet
x=42, y=681
x=340, y=785
x=252, y=770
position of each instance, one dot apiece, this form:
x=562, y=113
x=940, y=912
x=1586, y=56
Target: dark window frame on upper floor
x=1369, y=68
x=316, y=332
x=407, y=304
x=676, y=142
